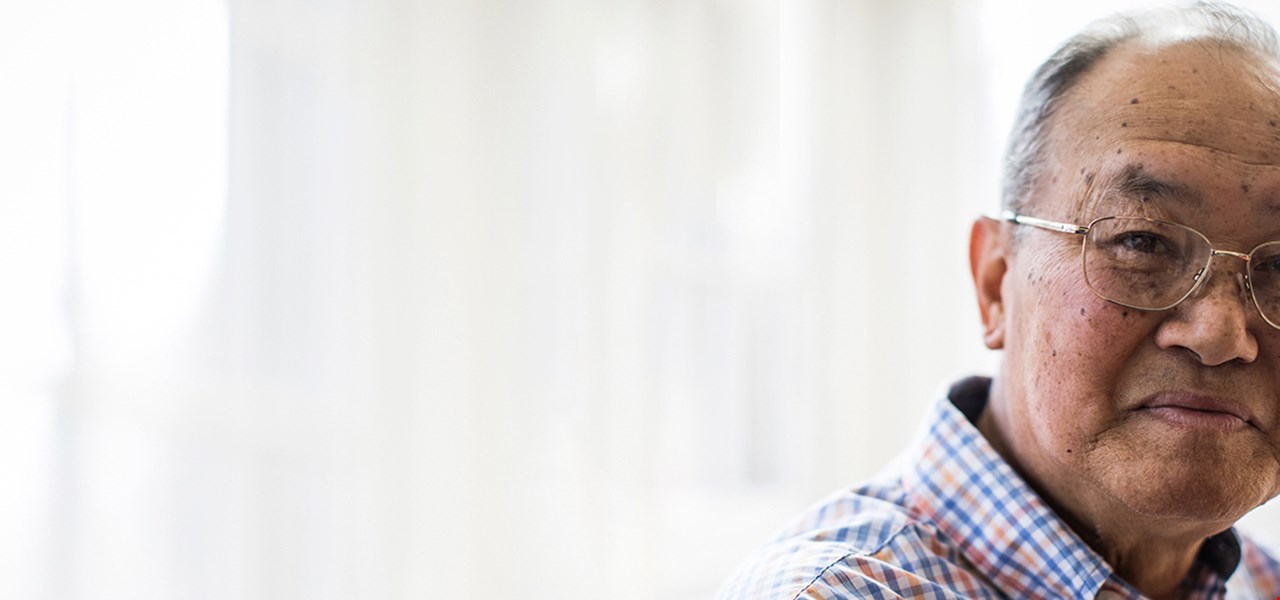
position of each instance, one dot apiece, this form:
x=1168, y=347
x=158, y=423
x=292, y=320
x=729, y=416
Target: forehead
x=1196, y=92
x=1198, y=114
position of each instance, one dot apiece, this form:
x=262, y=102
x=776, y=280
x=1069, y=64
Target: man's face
x=1120, y=410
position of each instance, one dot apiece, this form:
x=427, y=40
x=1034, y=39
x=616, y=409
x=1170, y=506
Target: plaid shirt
x=951, y=519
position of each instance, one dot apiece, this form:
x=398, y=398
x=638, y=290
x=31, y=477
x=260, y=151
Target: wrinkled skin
x=1073, y=405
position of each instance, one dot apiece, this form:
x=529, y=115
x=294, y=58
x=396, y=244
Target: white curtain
x=470, y=299
x=548, y=299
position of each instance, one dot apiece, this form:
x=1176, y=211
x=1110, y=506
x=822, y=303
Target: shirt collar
x=1001, y=525
x=1221, y=553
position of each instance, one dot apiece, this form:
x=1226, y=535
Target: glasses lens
x=1264, y=278
x=1143, y=263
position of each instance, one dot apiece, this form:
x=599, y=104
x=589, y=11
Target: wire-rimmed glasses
x=1149, y=264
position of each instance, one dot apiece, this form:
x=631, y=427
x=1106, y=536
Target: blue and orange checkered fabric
x=950, y=519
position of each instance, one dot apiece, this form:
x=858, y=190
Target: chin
x=1191, y=492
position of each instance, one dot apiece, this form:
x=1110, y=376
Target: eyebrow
x=1135, y=181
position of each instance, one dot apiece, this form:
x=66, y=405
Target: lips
x=1199, y=411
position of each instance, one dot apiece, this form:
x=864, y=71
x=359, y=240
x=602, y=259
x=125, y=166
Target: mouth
x=1195, y=411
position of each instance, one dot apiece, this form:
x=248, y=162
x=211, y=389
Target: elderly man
x=1133, y=282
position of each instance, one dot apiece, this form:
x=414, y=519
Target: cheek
x=1086, y=335
x=1061, y=326
x=1068, y=325
x=1072, y=347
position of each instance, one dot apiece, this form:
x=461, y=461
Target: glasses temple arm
x=1013, y=217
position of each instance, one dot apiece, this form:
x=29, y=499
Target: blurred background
x=478, y=299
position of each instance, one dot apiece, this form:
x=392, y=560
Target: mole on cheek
x=1082, y=311
x=1133, y=101
x=1244, y=187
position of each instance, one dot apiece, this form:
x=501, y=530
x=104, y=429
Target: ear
x=988, y=264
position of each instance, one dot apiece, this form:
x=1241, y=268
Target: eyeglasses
x=1150, y=264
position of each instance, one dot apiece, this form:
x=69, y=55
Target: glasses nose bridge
x=1242, y=279
x=1244, y=256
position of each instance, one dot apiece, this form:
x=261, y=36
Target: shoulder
x=1259, y=569
x=864, y=542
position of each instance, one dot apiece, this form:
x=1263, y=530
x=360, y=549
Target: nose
x=1214, y=323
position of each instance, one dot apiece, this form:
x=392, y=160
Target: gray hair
x=1217, y=22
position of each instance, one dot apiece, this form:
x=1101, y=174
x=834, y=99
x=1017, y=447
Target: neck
x=1155, y=571
x=1152, y=554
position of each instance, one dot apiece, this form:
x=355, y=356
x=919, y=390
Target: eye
x=1144, y=242
x=1270, y=265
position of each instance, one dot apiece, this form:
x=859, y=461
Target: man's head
x=1212, y=23
x=1120, y=416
